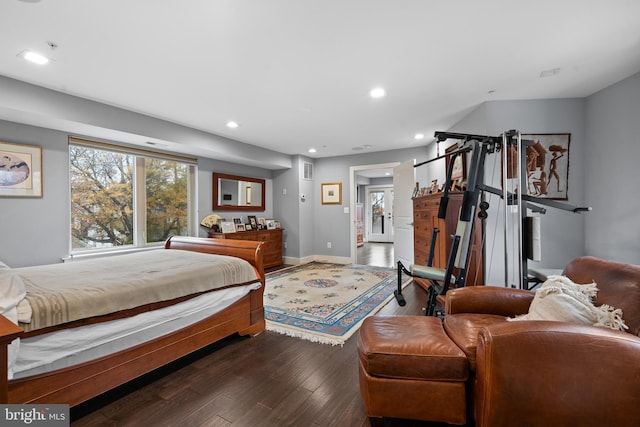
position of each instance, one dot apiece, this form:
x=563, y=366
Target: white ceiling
x=296, y=73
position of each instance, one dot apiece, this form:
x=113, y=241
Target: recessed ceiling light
x=418, y=136
x=312, y=150
x=378, y=92
x=34, y=57
x=232, y=125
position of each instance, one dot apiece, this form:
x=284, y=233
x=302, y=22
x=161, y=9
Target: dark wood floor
x=378, y=254
x=267, y=380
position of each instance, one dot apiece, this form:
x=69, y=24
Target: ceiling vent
x=307, y=171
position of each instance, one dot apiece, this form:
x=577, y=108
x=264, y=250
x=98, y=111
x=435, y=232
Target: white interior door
x=379, y=214
x=404, y=180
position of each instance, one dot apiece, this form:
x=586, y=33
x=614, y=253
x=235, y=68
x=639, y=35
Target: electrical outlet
x=285, y=245
x=328, y=245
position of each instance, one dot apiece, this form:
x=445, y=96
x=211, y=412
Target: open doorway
x=372, y=219
x=401, y=177
x=377, y=246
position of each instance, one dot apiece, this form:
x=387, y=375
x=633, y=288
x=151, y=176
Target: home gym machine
x=510, y=143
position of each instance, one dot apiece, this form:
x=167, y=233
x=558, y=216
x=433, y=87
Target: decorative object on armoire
x=20, y=170
x=459, y=172
x=325, y=302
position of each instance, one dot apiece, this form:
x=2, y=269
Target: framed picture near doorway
x=331, y=193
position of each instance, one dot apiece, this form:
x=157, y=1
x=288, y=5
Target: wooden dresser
x=425, y=218
x=272, y=248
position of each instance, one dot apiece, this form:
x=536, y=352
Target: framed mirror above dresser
x=238, y=193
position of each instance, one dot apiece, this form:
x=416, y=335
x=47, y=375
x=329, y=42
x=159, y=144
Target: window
x=123, y=197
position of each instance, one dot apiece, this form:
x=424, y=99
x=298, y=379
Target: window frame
x=139, y=195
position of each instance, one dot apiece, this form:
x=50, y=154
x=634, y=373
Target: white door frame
x=353, y=170
x=388, y=211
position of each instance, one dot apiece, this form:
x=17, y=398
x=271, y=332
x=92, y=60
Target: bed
x=149, y=331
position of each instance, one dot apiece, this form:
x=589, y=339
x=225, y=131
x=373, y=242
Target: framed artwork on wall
x=20, y=170
x=548, y=165
x=332, y=193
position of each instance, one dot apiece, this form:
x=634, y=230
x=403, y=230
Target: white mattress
x=60, y=349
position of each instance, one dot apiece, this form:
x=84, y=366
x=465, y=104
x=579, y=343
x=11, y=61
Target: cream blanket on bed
x=61, y=293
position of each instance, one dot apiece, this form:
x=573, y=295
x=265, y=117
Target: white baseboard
x=318, y=258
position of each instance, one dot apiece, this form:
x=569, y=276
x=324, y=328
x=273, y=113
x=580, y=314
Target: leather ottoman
x=409, y=368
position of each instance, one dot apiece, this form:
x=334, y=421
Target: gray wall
x=611, y=171
x=295, y=214
x=562, y=231
x=37, y=230
x=604, y=130
x=331, y=222
x=206, y=167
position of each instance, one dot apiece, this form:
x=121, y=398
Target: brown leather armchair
x=542, y=373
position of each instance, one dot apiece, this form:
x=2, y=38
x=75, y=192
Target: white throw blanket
x=560, y=299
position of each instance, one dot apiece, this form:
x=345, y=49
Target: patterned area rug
x=324, y=302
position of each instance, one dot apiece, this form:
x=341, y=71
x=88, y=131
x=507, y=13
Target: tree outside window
x=106, y=208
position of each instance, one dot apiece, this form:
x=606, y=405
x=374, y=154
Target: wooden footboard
x=79, y=383
x=248, y=250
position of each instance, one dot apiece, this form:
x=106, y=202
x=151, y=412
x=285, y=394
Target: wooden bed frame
x=82, y=382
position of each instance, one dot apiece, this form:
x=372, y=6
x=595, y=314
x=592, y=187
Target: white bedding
x=61, y=293
x=12, y=291
x=56, y=350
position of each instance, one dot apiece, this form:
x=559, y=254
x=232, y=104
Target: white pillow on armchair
x=561, y=300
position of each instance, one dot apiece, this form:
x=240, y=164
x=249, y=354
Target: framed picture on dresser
x=228, y=227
